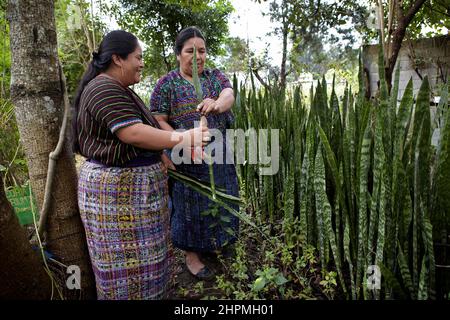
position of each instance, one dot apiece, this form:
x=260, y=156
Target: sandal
x=204, y=274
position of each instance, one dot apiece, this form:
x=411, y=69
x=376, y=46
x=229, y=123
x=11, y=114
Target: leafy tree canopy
x=321, y=33
x=157, y=23
x=236, y=56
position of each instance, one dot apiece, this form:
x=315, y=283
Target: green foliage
x=315, y=28
x=432, y=14
x=157, y=23
x=329, y=284
x=199, y=288
x=359, y=180
x=268, y=277
x=12, y=157
x=79, y=34
x=440, y=217
x=236, y=57
x=435, y=15
x=74, y=24
x=266, y=268
x=5, y=53
x=75, y=28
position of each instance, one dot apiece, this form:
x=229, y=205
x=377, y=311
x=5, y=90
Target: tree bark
x=284, y=58
x=403, y=22
x=260, y=79
x=23, y=275
x=37, y=94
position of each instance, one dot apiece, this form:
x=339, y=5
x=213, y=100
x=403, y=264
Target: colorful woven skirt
x=126, y=219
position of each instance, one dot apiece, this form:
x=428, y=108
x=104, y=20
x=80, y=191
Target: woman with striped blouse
x=122, y=188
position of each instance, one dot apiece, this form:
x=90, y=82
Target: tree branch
x=289, y=71
x=317, y=8
x=399, y=34
x=436, y=10
x=54, y=156
x=260, y=79
x=412, y=11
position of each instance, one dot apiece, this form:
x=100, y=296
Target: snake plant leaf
x=195, y=77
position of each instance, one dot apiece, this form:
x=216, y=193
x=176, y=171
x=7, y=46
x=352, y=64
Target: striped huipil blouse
x=124, y=209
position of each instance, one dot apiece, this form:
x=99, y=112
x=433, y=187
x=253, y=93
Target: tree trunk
x=23, y=275
x=37, y=93
x=396, y=45
x=165, y=57
x=403, y=21
x=283, y=60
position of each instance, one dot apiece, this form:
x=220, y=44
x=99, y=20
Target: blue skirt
x=196, y=224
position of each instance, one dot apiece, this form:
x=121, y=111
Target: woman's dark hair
x=118, y=42
x=185, y=35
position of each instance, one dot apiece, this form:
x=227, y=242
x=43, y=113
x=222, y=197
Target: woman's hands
x=208, y=106
x=196, y=138
x=223, y=103
x=199, y=136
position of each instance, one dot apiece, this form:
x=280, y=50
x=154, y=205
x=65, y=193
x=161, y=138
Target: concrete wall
x=432, y=58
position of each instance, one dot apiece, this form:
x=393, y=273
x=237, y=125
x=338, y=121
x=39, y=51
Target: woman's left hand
x=208, y=106
x=167, y=163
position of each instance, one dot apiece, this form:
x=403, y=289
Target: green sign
x=20, y=200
